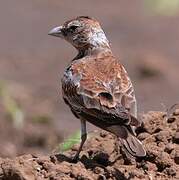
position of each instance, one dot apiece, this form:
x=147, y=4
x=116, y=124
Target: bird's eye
x=73, y=28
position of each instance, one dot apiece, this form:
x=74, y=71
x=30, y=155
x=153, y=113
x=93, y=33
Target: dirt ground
x=103, y=158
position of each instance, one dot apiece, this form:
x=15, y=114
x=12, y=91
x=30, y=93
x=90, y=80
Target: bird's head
x=82, y=32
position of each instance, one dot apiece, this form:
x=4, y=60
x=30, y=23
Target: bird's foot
x=75, y=159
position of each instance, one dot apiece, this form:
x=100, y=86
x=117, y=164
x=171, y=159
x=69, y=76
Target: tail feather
x=133, y=146
x=127, y=138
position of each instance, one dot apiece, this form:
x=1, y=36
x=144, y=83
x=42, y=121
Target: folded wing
x=100, y=91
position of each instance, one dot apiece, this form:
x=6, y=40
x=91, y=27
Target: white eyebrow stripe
x=75, y=23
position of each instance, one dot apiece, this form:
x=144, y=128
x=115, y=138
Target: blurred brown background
x=144, y=34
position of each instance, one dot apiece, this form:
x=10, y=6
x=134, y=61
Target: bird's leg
x=83, y=138
x=133, y=109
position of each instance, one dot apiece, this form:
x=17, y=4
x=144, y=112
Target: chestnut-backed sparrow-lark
x=96, y=86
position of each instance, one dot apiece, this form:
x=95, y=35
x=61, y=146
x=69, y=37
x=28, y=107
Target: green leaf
x=69, y=142
x=11, y=107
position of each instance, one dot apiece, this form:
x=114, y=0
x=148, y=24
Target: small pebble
x=168, y=148
x=176, y=158
x=176, y=138
x=176, y=112
x=143, y=136
x=170, y=171
x=171, y=119
x=99, y=170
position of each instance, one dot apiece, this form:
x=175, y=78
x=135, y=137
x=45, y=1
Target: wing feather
x=101, y=88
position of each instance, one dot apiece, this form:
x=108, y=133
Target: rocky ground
x=102, y=157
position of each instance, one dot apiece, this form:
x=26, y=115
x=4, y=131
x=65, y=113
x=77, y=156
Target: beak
x=57, y=31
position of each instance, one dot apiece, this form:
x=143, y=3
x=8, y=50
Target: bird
x=96, y=86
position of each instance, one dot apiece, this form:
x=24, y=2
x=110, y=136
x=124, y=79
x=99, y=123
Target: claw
x=75, y=159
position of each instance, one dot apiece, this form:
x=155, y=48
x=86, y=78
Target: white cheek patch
x=98, y=37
